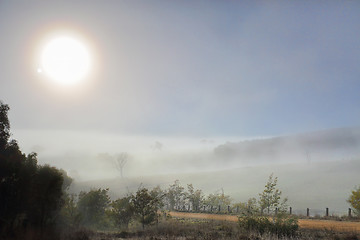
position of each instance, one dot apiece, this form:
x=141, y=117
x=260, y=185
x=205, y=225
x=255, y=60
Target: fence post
x=307, y=212
x=349, y=212
x=290, y=210
x=327, y=212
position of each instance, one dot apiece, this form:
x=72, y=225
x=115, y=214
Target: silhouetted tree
x=70, y=214
x=46, y=196
x=120, y=161
x=4, y=125
x=30, y=195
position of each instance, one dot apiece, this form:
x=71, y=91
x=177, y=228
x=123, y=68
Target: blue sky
x=185, y=68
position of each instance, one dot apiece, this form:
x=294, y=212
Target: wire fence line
x=237, y=210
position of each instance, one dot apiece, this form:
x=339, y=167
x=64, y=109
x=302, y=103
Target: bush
x=354, y=200
x=285, y=226
x=282, y=226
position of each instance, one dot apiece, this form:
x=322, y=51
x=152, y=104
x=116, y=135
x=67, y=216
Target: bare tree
x=120, y=161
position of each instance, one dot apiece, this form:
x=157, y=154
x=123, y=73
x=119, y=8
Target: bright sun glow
x=65, y=60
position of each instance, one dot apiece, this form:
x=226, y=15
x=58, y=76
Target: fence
x=236, y=210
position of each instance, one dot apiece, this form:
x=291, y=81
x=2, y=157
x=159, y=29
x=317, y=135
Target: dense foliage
x=122, y=212
x=31, y=195
x=145, y=205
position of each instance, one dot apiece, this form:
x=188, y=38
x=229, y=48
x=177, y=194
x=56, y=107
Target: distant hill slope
x=315, y=186
x=316, y=170
x=333, y=144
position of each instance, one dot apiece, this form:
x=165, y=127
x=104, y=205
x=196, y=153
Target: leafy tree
x=248, y=208
x=270, y=198
x=47, y=195
x=92, y=206
x=30, y=194
x=159, y=194
x=175, y=196
x=15, y=184
x=145, y=205
x=354, y=200
x=122, y=211
x=195, y=197
x=4, y=125
x=219, y=199
x=67, y=180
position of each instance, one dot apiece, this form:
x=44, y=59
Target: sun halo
x=65, y=60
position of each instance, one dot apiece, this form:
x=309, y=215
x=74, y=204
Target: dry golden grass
x=330, y=225
x=303, y=223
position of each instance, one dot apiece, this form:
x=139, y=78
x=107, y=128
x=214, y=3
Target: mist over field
x=315, y=169
x=122, y=95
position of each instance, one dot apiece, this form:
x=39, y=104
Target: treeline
x=35, y=203
x=31, y=195
x=34, y=200
x=95, y=210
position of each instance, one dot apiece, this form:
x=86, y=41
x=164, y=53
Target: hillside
x=330, y=144
x=316, y=185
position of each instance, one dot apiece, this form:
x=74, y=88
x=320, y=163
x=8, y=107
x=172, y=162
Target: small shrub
x=282, y=226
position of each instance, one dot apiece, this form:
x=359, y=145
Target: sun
x=66, y=60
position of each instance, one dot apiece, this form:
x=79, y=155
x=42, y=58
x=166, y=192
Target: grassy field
x=340, y=226
x=191, y=226
x=191, y=229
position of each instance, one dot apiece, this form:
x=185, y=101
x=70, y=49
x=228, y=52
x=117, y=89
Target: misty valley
x=179, y=120
x=44, y=202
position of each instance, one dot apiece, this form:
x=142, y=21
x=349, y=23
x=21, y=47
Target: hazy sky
x=189, y=69
x=203, y=68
